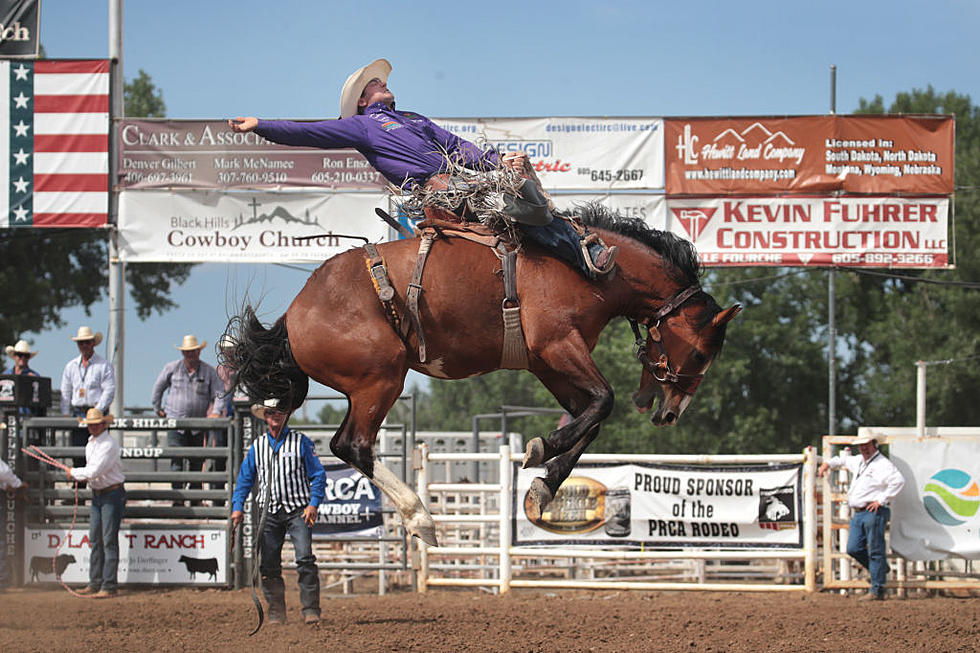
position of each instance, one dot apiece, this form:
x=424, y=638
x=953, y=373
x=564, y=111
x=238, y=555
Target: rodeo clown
x=416, y=155
x=292, y=480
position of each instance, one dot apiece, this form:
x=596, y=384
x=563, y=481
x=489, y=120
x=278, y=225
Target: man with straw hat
x=22, y=354
x=292, y=484
x=191, y=386
x=103, y=471
x=875, y=482
x=88, y=381
x=412, y=152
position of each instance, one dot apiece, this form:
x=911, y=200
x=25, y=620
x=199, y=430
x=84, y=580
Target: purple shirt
x=401, y=145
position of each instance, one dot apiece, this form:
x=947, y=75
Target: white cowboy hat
x=259, y=410
x=864, y=439
x=21, y=348
x=95, y=416
x=354, y=86
x=85, y=333
x=226, y=342
x=190, y=342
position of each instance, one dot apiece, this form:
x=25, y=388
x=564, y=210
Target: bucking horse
x=359, y=332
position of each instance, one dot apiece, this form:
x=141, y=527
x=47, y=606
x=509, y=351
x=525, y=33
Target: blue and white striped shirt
x=297, y=481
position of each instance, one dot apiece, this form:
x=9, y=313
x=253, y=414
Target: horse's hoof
x=422, y=527
x=537, y=499
x=533, y=453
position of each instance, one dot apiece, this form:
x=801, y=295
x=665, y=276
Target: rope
x=38, y=454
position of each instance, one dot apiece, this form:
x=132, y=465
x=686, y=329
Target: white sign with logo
x=245, y=227
x=576, y=153
x=177, y=556
x=936, y=514
x=668, y=506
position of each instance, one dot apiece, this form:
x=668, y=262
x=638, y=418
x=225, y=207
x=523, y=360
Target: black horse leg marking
x=543, y=490
x=589, y=403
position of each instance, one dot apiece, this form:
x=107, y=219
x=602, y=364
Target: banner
x=567, y=153
x=890, y=232
x=207, y=154
x=172, y=555
x=19, y=28
x=54, y=143
x=351, y=508
x=668, y=506
x=239, y=227
x=935, y=515
x=576, y=153
x=807, y=154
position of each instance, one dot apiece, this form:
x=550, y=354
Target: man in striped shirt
x=293, y=482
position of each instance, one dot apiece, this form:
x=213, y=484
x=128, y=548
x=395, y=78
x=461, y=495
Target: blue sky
x=216, y=59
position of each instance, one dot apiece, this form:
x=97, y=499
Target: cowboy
x=875, y=482
x=88, y=381
x=22, y=354
x=293, y=483
x=410, y=150
x=192, y=386
x=103, y=471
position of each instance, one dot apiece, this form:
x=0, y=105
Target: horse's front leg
x=580, y=388
x=354, y=444
x=543, y=490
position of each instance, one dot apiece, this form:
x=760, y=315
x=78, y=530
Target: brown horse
x=336, y=332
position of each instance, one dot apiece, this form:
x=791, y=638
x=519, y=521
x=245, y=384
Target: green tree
x=48, y=270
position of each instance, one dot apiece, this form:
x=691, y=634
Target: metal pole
x=831, y=301
x=117, y=270
x=920, y=398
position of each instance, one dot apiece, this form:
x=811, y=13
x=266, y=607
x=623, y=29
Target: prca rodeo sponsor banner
x=935, y=516
x=808, y=154
x=351, y=508
x=668, y=506
x=891, y=232
x=576, y=153
x=177, y=556
x=245, y=227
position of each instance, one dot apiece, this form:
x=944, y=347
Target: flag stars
x=20, y=214
x=20, y=101
x=21, y=185
x=21, y=128
x=21, y=157
x=21, y=72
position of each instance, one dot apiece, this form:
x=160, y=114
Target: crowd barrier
x=476, y=521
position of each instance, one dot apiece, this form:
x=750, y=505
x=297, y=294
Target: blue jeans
x=866, y=544
x=561, y=239
x=105, y=515
x=276, y=526
x=185, y=438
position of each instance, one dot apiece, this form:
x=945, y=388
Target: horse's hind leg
x=354, y=444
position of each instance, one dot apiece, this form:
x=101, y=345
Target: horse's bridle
x=661, y=369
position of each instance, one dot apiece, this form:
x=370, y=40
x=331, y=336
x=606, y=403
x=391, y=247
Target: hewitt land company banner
x=245, y=227
x=668, y=506
x=810, y=154
x=890, y=232
x=935, y=515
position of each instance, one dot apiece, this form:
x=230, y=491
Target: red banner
x=807, y=154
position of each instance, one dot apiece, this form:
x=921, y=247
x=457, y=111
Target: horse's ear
x=726, y=315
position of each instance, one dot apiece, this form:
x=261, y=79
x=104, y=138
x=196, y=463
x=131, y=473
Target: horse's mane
x=677, y=252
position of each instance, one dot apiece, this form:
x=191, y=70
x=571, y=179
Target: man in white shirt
x=103, y=471
x=88, y=381
x=8, y=483
x=875, y=482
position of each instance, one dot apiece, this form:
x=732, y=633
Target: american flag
x=54, y=143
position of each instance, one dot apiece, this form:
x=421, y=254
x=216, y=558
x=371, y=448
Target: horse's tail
x=262, y=361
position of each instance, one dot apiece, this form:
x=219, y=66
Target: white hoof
x=421, y=526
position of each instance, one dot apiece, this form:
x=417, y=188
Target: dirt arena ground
x=50, y=619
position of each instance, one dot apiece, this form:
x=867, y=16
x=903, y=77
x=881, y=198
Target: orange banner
x=806, y=154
